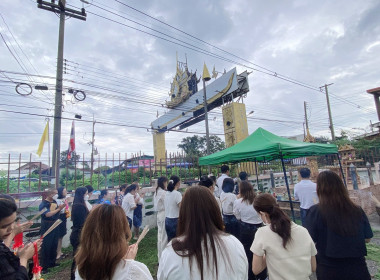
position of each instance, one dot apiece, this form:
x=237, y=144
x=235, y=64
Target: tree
x=70, y=162
x=197, y=146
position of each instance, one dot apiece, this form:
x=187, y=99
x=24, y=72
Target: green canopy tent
x=262, y=145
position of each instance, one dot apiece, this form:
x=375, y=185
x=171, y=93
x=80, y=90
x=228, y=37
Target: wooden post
x=19, y=173
x=118, y=169
x=39, y=180
x=99, y=172
x=75, y=173
x=113, y=166
x=105, y=166
x=83, y=171
x=9, y=170
x=30, y=170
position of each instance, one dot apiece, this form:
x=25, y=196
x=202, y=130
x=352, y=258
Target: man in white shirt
x=306, y=192
x=219, y=182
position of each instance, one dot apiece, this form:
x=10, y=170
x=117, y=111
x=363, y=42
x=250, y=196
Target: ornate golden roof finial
x=206, y=74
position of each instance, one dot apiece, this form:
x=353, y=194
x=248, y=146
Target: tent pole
x=257, y=175
x=287, y=187
x=341, y=170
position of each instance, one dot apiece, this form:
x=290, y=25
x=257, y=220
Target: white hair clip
x=171, y=181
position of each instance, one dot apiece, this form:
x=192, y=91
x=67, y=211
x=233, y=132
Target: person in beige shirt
x=286, y=249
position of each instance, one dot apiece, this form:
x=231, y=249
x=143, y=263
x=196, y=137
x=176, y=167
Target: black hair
x=224, y=168
x=123, y=187
x=160, y=183
x=89, y=188
x=60, y=192
x=7, y=206
x=213, y=178
x=228, y=185
x=243, y=175
x=130, y=188
x=205, y=181
x=103, y=193
x=79, y=195
x=305, y=172
x=173, y=182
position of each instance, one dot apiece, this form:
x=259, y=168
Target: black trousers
x=246, y=237
x=342, y=269
x=74, y=240
x=49, y=246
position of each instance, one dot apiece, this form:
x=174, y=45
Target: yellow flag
x=206, y=74
x=44, y=138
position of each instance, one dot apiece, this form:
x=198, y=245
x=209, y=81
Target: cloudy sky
x=126, y=73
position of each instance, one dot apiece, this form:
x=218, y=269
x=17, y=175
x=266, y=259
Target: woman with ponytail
x=172, y=202
x=340, y=230
x=284, y=247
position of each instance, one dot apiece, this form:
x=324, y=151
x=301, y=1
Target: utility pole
x=306, y=120
x=63, y=11
x=92, y=147
x=206, y=77
x=329, y=110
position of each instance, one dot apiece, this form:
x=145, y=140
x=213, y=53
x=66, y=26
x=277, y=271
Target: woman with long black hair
x=79, y=214
x=284, y=247
x=340, y=230
x=201, y=249
x=173, y=200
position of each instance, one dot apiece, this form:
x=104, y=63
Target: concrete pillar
x=236, y=129
x=354, y=176
x=159, y=147
x=377, y=170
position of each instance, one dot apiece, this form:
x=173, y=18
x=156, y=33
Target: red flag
x=72, y=142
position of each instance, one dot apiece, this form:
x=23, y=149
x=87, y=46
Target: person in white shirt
x=129, y=203
x=210, y=184
x=250, y=221
x=284, y=247
x=63, y=214
x=202, y=251
x=159, y=204
x=173, y=200
x=227, y=199
x=90, y=190
x=219, y=182
x=306, y=192
x=137, y=212
x=98, y=257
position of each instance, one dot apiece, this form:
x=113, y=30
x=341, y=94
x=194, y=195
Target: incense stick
x=142, y=235
x=37, y=215
x=57, y=222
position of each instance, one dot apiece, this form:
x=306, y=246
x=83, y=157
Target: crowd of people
x=220, y=229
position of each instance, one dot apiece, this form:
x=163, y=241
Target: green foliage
x=197, y=146
x=70, y=162
x=147, y=253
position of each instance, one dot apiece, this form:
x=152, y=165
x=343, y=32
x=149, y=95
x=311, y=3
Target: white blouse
x=172, y=200
x=159, y=200
x=227, y=200
x=232, y=263
x=245, y=212
x=127, y=270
